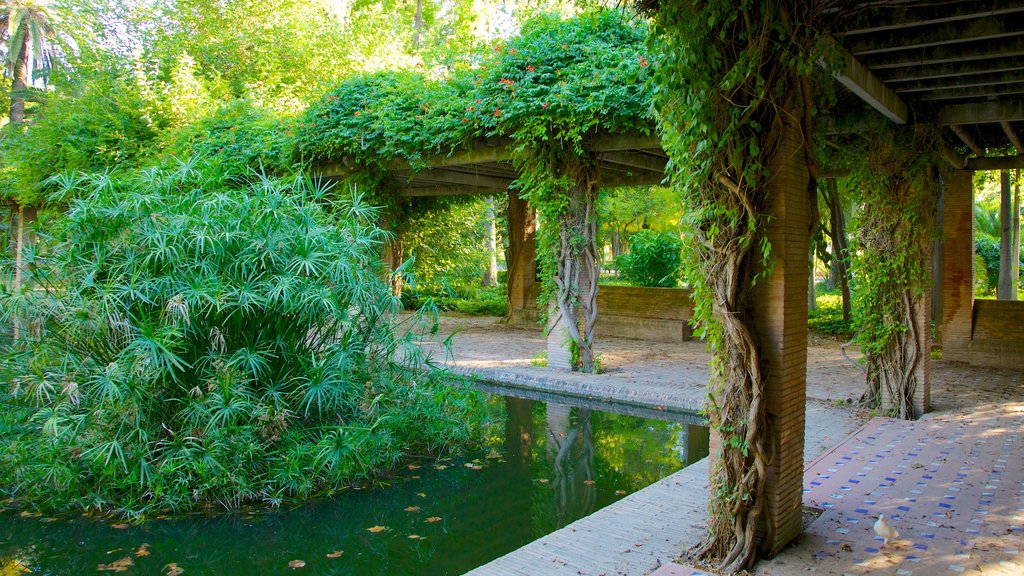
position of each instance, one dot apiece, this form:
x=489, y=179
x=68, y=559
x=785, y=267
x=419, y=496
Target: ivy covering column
x=734, y=105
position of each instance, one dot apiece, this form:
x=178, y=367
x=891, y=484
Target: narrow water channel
x=544, y=466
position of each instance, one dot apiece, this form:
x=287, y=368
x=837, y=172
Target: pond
x=544, y=466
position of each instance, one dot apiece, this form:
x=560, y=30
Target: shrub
x=238, y=136
x=654, y=259
x=196, y=339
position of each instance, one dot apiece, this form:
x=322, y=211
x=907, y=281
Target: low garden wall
x=997, y=338
x=654, y=314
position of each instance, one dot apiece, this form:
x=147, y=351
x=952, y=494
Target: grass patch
x=827, y=318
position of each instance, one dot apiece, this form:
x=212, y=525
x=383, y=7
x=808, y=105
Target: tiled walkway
x=952, y=485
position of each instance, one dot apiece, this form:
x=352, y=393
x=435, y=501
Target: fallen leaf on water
x=174, y=570
x=296, y=564
x=421, y=494
x=48, y=520
x=376, y=529
x=142, y=551
x=543, y=480
x=415, y=476
x=412, y=509
x=116, y=566
x=413, y=467
x=433, y=519
x=589, y=482
x=620, y=492
x=472, y=466
x=493, y=454
x=121, y=526
x=25, y=514
x=335, y=554
x=416, y=537
x=440, y=467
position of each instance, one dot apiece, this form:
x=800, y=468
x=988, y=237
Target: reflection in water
x=571, y=453
x=539, y=468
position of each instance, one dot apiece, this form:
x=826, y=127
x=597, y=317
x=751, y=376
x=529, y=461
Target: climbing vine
x=732, y=74
x=565, y=83
x=553, y=91
x=898, y=183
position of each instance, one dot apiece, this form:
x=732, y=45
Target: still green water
x=542, y=467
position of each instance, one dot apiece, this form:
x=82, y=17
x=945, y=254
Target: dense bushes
x=653, y=259
x=196, y=339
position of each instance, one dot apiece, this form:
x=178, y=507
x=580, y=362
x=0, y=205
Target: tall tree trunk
x=19, y=84
x=491, y=238
x=417, y=24
x=1015, y=236
x=812, y=299
x=1006, y=289
x=840, y=244
x=24, y=241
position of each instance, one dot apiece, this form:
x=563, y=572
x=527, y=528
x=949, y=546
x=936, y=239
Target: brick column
x=923, y=372
x=780, y=312
x=955, y=325
x=521, y=260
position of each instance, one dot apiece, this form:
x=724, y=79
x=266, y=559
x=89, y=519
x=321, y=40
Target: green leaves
x=195, y=337
x=559, y=81
x=653, y=259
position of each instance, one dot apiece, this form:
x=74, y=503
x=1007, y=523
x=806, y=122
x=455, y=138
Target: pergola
x=959, y=65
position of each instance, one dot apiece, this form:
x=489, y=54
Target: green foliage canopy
x=560, y=81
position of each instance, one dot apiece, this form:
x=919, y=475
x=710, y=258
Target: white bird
x=885, y=530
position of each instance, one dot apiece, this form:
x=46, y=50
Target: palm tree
x=26, y=26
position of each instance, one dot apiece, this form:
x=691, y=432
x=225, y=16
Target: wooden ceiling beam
x=981, y=113
x=961, y=81
x=1002, y=90
x=961, y=69
x=912, y=37
x=862, y=81
x=621, y=142
x=442, y=176
x=996, y=163
x=952, y=157
x=1012, y=135
x=890, y=19
x=988, y=51
x=966, y=139
x=636, y=161
x=432, y=191
x=644, y=179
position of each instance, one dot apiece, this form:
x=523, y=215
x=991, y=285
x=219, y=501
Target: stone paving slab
x=629, y=537
x=953, y=487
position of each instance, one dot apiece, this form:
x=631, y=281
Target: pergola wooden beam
x=1012, y=136
x=636, y=161
x=996, y=163
x=966, y=139
x=863, y=82
x=1013, y=76
x=959, y=93
x=931, y=15
x=955, y=70
x=431, y=191
x=952, y=157
x=912, y=37
x=441, y=176
x=1011, y=47
x=981, y=113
